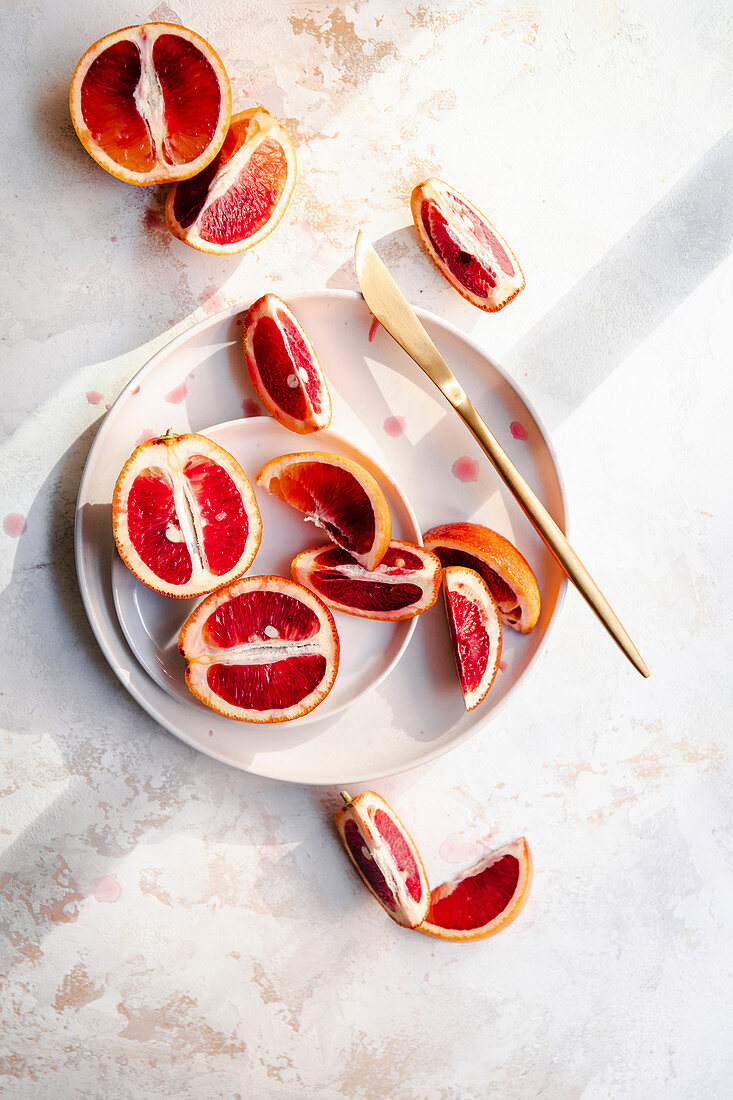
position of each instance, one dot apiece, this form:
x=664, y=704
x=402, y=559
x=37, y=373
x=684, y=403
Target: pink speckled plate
x=387, y=409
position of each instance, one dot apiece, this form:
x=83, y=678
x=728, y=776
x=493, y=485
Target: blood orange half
x=484, y=899
x=263, y=649
x=151, y=103
x=184, y=515
x=336, y=494
x=404, y=584
x=242, y=195
x=464, y=246
x=385, y=856
x=475, y=630
x=284, y=368
x=510, y=579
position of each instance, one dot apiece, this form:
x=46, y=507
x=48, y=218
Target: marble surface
x=173, y=927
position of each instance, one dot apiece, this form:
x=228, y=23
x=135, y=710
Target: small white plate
x=369, y=650
x=389, y=410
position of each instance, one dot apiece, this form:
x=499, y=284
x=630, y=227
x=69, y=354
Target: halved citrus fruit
x=404, y=584
x=263, y=649
x=484, y=899
x=510, y=579
x=184, y=515
x=385, y=856
x=151, y=103
x=242, y=195
x=336, y=494
x=284, y=368
x=464, y=246
x=475, y=630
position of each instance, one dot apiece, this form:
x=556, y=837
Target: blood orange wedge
x=464, y=246
x=242, y=195
x=385, y=856
x=283, y=367
x=151, y=103
x=184, y=515
x=405, y=583
x=484, y=899
x=510, y=579
x=336, y=494
x=263, y=649
x=475, y=630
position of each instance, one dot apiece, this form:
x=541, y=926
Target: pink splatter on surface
x=211, y=733
x=211, y=299
x=108, y=406
x=518, y=431
x=457, y=849
x=251, y=408
x=373, y=328
x=14, y=525
x=177, y=395
x=502, y=666
x=113, y=239
x=394, y=425
x=145, y=435
x=133, y=392
x=94, y=397
x=465, y=469
x=107, y=889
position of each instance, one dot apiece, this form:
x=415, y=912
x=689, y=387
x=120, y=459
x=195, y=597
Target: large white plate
x=385, y=407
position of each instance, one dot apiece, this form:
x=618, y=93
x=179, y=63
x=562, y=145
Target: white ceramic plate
x=369, y=650
x=388, y=410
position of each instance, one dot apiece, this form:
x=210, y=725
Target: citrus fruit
x=242, y=195
x=464, y=246
x=337, y=495
x=151, y=103
x=510, y=579
x=283, y=367
x=263, y=649
x=484, y=899
x=475, y=630
x=405, y=583
x=385, y=856
x=184, y=515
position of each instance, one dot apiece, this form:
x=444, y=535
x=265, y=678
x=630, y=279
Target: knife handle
x=549, y=532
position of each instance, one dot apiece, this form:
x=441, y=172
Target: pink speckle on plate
x=177, y=395
x=211, y=733
x=94, y=397
x=394, y=425
x=465, y=469
x=373, y=329
x=518, y=431
x=135, y=391
x=107, y=889
x=145, y=435
x=251, y=408
x=14, y=525
x=113, y=239
x=502, y=666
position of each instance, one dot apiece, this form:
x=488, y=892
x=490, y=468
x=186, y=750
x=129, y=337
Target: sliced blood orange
x=385, y=856
x=242, y=195
x=184, y=515
x=484, y=899
x=263, y=649
x=475, y=630
x=284, y=368
x=336, y=494
x=405, y=583
x=510, y=579
x=151, y=103
x=464, y=246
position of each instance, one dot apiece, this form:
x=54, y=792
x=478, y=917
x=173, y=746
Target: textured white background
x=171, y=927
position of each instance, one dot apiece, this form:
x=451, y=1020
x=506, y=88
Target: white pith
x=166, y=461
x=144, y=37
x=467, y=583
x=440, y=194
x=409, y=913
x=260, y=651
x=263, y=127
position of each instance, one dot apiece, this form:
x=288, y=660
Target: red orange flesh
x=475, y=630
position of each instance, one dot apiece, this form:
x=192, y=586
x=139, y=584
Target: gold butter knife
x=393, y=312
